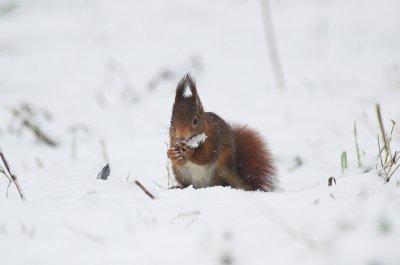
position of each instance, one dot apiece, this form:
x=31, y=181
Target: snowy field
x=98, y=77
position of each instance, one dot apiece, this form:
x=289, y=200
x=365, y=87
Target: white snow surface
x=196, y=140
x=101, y=75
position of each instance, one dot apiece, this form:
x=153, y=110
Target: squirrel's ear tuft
x=186, y=88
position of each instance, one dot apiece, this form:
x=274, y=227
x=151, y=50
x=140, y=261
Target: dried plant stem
x=272, y=46
x=380, y=151
x=388, y=166
x=40, y=135
x=395, y=169
x=11, y=177
x=343, y=161
x=168, y=168
x=144, y=189
x=357, y=146
x=383, y=134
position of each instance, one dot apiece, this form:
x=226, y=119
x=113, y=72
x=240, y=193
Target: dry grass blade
x=357, y=146
x=168, y=168
x=272, y=45
x=389, y=164
x=11, y=177
x=343, y=161
x=39, y=134
x=382, y=128
x=144, y=189
x=5, y=174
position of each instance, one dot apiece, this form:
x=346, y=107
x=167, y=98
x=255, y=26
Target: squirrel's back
x=255, y=165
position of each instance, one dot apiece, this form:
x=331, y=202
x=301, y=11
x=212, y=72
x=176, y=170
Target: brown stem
x=12, y=177
x=144, y=189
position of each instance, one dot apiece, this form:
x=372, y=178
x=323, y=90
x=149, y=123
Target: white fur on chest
x=200, y=176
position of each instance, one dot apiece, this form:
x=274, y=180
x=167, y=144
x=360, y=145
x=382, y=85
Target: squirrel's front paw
x=180, y=153
x=175, y=154
x=186, y=151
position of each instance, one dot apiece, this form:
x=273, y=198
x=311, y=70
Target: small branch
x=144, y=189
x=11, y=177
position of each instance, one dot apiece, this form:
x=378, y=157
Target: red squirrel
x=206, y=151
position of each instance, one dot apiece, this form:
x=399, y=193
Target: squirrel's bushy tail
x=255, y=165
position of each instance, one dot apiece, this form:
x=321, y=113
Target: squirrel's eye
x=195, y=121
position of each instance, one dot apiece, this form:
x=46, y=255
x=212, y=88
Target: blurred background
x=108, y=70
x=84, y=83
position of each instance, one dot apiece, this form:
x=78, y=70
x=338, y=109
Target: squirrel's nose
x=182, y=135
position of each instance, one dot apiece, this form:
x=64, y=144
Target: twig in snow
x=11, y=177
x=272, y=46
x=144, y=189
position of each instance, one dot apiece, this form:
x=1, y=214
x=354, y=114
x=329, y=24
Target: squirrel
x=206, y=151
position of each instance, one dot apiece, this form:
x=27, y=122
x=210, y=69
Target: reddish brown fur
x=254, y=162
x=240, y=154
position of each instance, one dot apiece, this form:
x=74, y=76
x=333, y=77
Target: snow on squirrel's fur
x=195, y=141
x=187, y=93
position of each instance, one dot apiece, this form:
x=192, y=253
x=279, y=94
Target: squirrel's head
x=187, y=114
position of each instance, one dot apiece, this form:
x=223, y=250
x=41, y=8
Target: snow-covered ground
x=100, y=76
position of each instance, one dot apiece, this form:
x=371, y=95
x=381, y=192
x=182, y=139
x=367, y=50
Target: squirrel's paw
x=175, y=154
x=180, y=153
x=186, y=151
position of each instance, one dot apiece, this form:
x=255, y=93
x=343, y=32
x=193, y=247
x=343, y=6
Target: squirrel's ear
x=186, y=88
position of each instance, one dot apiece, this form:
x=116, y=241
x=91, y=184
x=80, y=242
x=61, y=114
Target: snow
x=196, y=140
x=101, y=77
x=187, y=93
